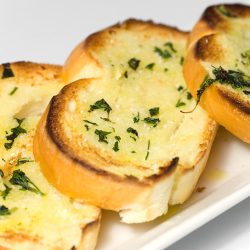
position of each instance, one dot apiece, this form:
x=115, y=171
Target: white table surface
x=47, y=30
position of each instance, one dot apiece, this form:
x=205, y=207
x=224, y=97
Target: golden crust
x=223, y=105
x=35, y=74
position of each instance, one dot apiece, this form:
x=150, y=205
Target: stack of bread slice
x=120, y=127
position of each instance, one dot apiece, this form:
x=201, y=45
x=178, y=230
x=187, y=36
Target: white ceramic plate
x=227, y=182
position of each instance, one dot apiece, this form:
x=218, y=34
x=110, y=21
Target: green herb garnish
x=180, y=88
x=126, y=74
x=21, y=161
x=102, y=135
x=171, y=46
x=86, y=126
x=134, y=63
x=92, y=123
x=236, y=79
x=116, y=145
x=162, y=53
x=189, y=96
x=147, y=150
x=15, y=132
x=152, y=121
x=106, y=119
x=6, y=192
x=13, y=91
x=19, y=178
x=133, y=152
x=136, y=118
x=154, y=111
x=222, y=9
x=166, y=70
x=1, y=173
x=246, y=92
x=100, y=104
x=181, y=60
x=150, y=66
x=132, y=131
x=4, y=211
x=7, y=71
x=180, y=103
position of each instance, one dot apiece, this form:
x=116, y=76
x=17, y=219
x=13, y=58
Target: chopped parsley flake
x=152, y=121
x=189, y=96
x=7, y=71
x=180, y=88
x=13, y=91
x=1, y=173
x=21, y=161
x=118, y=138
x=154, y=111
x=126, y=74
x=92, y=123
x=180, y=103
x=150, y=66
x=19, y=178
x=246, y=92
x=171, y=46
x=136, y=118
x=132, y=131
x=147, y=150
x=6, y=191
x=106, y=119
x=15, y=132
x=86, y=126
x=100, y=104
x=162, y=53
x=134, y=63
x=182, y=60
x=116, y=145
x=4, y=211
x=102, y=135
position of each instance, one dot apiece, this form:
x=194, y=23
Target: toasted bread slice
x=121, y=136
x=33, y=214
x=217, y=66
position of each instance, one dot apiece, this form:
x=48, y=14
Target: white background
x=46, y=31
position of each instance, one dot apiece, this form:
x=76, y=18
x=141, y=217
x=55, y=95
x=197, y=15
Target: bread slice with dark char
x=119, y=132
x=217, y=66
x=33, y=214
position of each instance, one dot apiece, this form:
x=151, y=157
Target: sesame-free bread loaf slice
x=118, y=135
x=217, y=66
x=33, y=214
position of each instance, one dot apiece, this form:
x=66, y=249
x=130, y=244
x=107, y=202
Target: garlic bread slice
x=217, y=66
x=120, y=132
x=33, y=214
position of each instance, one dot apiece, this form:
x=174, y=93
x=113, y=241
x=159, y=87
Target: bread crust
x=224, y=106
x=96, y=186
x=36, y=74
